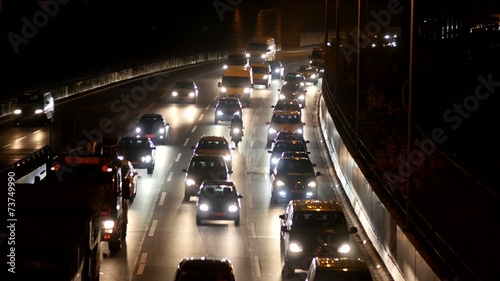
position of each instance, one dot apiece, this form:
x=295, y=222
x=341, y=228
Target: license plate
x=218, y=214
x=150, y=136
x=296, y=191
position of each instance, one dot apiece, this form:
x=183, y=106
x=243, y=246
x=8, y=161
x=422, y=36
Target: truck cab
x=97, y=170
x=237, y=82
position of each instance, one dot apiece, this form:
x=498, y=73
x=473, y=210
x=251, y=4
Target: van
x=260, y=49
x=237, y=82
x=262, y=74
x=34, y=106
x=236, y=60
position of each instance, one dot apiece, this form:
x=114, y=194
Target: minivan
x=34, y=106
x=261, y=49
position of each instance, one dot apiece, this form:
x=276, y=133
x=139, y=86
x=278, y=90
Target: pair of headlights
x=297, y=248
x=205, y=207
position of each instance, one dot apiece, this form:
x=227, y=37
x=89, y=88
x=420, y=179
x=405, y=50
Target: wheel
x=237, y=221
x=150, y=170
x=198, y=220
x=316, y=82
x=216, y=121
x=115, y=245
x=236, y=143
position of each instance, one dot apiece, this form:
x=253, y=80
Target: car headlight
x=232, y=208
x=38, y=111
x=282, y=97
x=313, y=76
x=137, y=130
x=272, y=131
x=17, y=111
x=274, y=160
x=220, y=113
x=237, y=113
x=191, y=94
x=277, y=70
x=280, y=183
x=302, y=97
x=174, y=93
x=225, y=66
x=108, y=226
x=309, y=194
x=146, y=158
x=312, y=184
x=227, y=157
x=247, y=55
x=299, y=131
x=223, y=89
x=203, y=207
x=265, y=77
x=294, y=247
x=162, y=130
x=236, y=130
x=263, y=56
x=344, y=248
x=190, y=182
x=282, y=193
x=302, y=83
x=247, y=90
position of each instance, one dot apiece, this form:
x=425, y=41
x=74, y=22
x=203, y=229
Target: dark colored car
x=281, y=146
x=129, y=180
x=287, y=105
x=348, y=269
x=218, y=200
x=277, y=69
x=204, y=269
x=153, y=126
x=311, y=73
x=293, y=178
x=293, y=91
x=226, y=108
x=204, y=167
x=236, y=60
x=185, y=90
x=320, y=65
x=139, y=151
x=294, y=78
x=313, y=228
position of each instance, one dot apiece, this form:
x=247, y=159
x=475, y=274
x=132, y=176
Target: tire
x=198, y=220
x=150, y=170
x=216, y=121
x=115, y=245
x=316, y=82
x=237, y=221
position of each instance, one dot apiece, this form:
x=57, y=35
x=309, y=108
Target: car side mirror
x=272, y=106
x=307, y=141
x=267, y=123
x=184, y=170
x=219, y=84
x=240, y=196
x=269, y=151
x=282, y=216
x=192, y=147
x=279, y=90
x=135, y=173
x=303, y=123
x=318, y=173
x=353, y=230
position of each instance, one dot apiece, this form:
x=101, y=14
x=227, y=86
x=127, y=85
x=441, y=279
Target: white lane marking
x=249, y=201
x=194, y=129
x=253, y=232
x=256, y=266
x=201, y=117
x=208, y=107
x=186, y=142
x=162, y=198
x=178, y=157
x=153, y=227
x=142, y=263
x=169, y=178
x=251, y=144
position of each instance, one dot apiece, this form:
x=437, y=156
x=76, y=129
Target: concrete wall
x=390, y=241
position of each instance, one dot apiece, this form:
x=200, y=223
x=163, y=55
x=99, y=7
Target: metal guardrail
x=27, y=164
x=443, y=256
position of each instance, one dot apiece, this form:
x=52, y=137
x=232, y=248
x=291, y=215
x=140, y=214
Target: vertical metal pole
x=337, y=46
x=326, y=25
x=410, y=117
x=358, y=51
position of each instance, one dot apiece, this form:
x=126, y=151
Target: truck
x=95, y=169
x=261, y=49
x=237, y=82
x=55, y=231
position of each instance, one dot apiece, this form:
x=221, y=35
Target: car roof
x=316, y=205
x=207, y=156
x=205, y=262
x=217, y=182
x=341, y=264
x=259, y=64
x=219, y=138
x=286, y=113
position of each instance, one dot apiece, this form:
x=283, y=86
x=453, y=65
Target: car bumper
x=217, y=215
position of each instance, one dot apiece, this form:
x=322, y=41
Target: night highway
x=162, y=227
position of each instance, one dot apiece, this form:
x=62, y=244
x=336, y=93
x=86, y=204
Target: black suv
x=227, y=108
x=153, y=126
x=204, y=167
x=204, y=268
x=139, y=151
x=280, y=146
x=312, y=228
x=293, y=178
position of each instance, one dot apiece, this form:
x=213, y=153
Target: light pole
x=410, y=117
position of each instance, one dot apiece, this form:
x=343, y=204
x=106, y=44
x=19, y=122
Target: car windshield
x=285, y=119
x=135, y=143
x=328, y=221
x=206, y=165
x=294, y=79
x=184, y=85
x=29, y=99
x=327, y=275
x=263, y=70
x=228, y=103
x=256, y=47
x=218, y=191
x=213, y=144
x=281, y=147
x=235, y=81
x=293, y=166
x=306, y=68
x=289, y=88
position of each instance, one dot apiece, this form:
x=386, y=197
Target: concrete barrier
x=391, y=242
